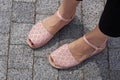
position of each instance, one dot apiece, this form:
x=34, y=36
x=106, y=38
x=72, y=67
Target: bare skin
x=66, y=11
x=80, y=49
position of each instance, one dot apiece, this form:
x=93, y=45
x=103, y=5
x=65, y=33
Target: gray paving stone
x=50, y=46
x=23, y=12
x=114, y=59
x=96, y=68
x=19, y=33
x=79, y=12
x=114, y=43
x=26, y=0
x=3, y=49
x=92, y=72
x=19, y=74
x=47, y=6
x=92, y=10
x=5, y=5
x=4, y=21
x=71, y=32
x=71, y=74
x=115, y=75
x=43, y=70
x=4, y=44
x=3, y=67
x=41, y=17
x=20, y=56
x=4, y=38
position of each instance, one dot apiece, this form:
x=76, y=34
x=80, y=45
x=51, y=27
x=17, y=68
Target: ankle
x=96, y=40
x=96, y=37
x=67, y=14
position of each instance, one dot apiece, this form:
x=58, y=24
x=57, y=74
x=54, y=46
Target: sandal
x=62, y=58
x=39, y=35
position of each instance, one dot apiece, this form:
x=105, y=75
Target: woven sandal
x=39, y=35
x=62, y=58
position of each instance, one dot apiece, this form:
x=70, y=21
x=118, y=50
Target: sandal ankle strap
x=96, y=48
x=62, y=18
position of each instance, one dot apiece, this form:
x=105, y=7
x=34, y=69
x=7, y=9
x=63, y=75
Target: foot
x=74, y=53
x=82, y=50
x=47, y=28
x=55, y=22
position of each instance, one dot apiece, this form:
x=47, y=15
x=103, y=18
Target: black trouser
x=109, y=22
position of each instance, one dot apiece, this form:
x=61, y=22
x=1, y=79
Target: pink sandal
x=39, y=35
x=62, y=58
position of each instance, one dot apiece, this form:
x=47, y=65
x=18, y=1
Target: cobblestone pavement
x=19, y=62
